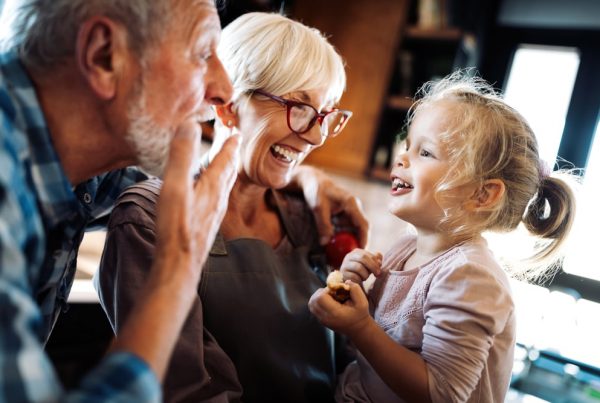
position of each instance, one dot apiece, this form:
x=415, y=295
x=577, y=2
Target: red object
x=339, y=246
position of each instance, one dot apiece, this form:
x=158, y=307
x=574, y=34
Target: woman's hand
x=349, y=318
x=327, y=199
x=359, y=264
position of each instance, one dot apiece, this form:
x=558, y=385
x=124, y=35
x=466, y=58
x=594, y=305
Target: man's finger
x=212, y=189
x=223, y=168
x=183, y=150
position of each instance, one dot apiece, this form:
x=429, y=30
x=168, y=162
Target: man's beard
x=149, y=140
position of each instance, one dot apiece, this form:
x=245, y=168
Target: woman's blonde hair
x=274, y=53
x=488, y=139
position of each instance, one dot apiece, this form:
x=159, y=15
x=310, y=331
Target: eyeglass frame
x=319, y=116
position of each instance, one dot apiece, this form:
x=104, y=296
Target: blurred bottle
x=429, y=14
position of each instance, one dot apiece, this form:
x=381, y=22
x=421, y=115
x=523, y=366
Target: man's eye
x=204, y=53
x=205, y=56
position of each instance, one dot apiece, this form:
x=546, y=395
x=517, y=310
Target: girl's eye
x=425, y=153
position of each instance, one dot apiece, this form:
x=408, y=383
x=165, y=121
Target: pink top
x=456, y=311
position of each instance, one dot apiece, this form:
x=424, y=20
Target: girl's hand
x=359, y=264
x=349, y=317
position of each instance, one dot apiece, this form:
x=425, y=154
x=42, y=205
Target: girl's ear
x=226, y=115
x=487, y=196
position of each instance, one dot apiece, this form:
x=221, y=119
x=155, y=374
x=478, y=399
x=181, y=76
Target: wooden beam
x=366, y=34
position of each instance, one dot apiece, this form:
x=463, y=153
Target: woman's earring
x=230, y=123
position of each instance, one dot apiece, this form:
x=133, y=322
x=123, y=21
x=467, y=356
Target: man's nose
x=218, y=86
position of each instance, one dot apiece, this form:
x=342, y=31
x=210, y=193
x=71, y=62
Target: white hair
x=45, y=31
x=150, y=142
x=274, y=53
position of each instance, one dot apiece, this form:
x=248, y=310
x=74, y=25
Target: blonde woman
x=250, y=335
x=443, y=324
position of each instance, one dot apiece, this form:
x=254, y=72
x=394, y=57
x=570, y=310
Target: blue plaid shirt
x=42, y=220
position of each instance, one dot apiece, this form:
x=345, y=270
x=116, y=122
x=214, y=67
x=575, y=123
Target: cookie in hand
x=339, y=290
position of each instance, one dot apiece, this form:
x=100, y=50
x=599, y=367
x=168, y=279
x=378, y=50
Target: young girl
x=443, y=324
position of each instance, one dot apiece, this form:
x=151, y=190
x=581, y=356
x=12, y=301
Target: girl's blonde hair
x=274, y=53
x=488, y=139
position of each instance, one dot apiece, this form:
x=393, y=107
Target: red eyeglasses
x=301, y=117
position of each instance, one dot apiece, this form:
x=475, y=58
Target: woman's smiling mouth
x=284, y=154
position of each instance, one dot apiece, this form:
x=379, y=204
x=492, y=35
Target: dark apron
x=255, y=304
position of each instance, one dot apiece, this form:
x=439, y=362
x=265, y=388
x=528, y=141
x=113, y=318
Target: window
x=533, y=90
x=555, y=88
x=583, y=257
x=551, y=78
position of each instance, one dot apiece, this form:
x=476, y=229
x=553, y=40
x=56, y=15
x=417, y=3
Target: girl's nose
x=401, y=160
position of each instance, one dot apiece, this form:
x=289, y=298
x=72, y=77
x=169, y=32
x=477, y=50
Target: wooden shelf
x=400, y=102
x=349, y=26
x=422, y=53
x=444, y=34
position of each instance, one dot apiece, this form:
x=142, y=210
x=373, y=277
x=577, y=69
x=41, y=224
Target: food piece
x=339, y=290
x=340, y=245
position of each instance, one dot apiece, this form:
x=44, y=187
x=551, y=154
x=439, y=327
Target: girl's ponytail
x=550, y=216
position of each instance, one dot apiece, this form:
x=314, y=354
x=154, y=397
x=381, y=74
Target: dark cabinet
x=429, y=48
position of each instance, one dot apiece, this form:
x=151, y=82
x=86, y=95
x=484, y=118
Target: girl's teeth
x=285, y=153
x=397, y=184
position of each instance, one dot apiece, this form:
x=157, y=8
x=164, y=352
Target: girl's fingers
x=363, y=263
x=352, y=276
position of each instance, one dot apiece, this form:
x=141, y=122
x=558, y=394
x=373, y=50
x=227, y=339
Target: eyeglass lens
x=303, y=117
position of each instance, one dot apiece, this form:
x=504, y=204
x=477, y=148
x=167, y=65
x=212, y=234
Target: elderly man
x=89, y=88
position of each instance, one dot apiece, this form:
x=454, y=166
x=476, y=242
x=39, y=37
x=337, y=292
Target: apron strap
x=301, y=228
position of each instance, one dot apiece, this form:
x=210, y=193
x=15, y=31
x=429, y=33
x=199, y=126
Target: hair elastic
x=544, y=170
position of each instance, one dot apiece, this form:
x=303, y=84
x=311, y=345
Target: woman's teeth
x=284, y=153
x=400, y=184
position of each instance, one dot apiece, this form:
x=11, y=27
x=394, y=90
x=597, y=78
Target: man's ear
x=226, y=115
x=100, y=50
x=487, y=196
